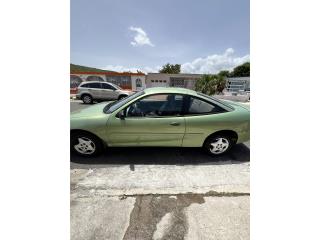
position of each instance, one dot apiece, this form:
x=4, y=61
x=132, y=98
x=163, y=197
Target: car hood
x=125, y=91
x=94, y=110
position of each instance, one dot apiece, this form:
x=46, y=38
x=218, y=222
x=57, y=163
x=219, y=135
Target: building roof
x=176, y=74
x=108, y=73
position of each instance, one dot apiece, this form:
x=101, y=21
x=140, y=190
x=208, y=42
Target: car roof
x=154, y=90
x=93, y=82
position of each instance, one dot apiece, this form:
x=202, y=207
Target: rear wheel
x=217, y=145
x=85, y=144
x=87, y=99
x=121, y=97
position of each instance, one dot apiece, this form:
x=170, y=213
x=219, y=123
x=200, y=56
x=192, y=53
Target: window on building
x=122, y=81
x=138, y=83
x=177, y=82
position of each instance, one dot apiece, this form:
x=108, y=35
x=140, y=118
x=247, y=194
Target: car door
x=94, y=88
x=154, y=120
x=108, y=92
x=202, y=118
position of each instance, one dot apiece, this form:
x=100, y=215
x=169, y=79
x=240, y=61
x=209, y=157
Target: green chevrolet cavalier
x=161, y=117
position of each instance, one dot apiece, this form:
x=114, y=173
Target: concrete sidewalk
x=161, y=202
x=162, y=179
x=161, y=217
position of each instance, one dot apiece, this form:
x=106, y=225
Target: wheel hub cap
x=219, y=146
x=87, y=99
x=85, y=146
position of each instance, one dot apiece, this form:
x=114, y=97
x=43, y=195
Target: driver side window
x=158, y=105
x=107, y=86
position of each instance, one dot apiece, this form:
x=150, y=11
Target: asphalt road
x=78, y=105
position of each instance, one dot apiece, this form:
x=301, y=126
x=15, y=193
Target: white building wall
x=138, y=82
x=164, y=79
x=134, y=82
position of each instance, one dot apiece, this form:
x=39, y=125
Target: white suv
x=100, y=91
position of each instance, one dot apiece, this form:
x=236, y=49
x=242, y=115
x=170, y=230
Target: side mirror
x=122, y=114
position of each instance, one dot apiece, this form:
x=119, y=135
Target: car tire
x=122, y=96
x=87, y=99
x=218, y=145
x=85, y=144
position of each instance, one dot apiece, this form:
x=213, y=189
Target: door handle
x=174, y=124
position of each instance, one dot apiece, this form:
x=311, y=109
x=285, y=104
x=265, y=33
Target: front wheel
x=85, y=144
x=217, y=145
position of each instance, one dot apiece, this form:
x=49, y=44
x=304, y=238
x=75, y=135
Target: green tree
x=170, y=68
x=210, y=84
x=220, y=83
x=224, y=73
x=241, y=70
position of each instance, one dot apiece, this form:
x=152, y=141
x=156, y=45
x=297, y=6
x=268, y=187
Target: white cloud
x=210, y=64
x=119, y=68
x=141, y=38
x=214, y=63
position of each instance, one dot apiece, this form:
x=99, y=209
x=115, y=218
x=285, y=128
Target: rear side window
x=94, y=85
x=85, y=85
x=195, y=106
x=91, y=85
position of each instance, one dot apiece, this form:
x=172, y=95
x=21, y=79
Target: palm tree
x=210, y=84
x=220, y=83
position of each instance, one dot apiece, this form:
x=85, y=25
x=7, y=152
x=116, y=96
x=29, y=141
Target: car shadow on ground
x=160, y=156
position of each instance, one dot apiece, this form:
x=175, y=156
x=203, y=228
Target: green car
x=161, y=117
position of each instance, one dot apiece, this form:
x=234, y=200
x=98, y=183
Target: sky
x=204, y=36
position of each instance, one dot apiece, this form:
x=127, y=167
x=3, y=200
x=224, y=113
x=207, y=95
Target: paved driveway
x=160, y=193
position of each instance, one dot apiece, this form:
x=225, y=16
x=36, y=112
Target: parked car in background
x=100, y=91
x=161, y=117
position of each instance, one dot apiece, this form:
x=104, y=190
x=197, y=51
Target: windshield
x=111, y=107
